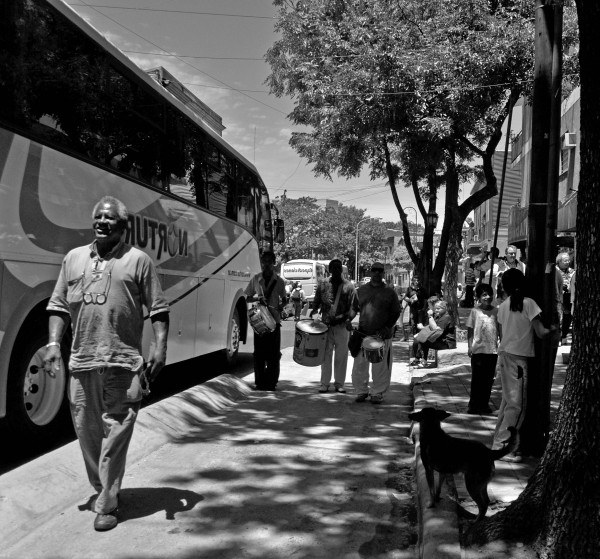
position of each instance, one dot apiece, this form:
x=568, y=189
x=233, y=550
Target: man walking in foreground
x=102, y=290
x=379, y=310
x=334, y=297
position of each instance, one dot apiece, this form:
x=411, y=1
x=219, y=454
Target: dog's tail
x=508, y=447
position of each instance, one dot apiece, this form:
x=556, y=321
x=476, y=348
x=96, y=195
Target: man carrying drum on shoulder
x=379, y=310
x=335, y=297
x=268, y=289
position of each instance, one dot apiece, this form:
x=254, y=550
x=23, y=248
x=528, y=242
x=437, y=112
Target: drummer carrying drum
x=379, y=310
x=269, y=290
x=334, y=298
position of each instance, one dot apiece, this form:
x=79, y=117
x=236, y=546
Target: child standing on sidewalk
x=482, y=337
x=518, y=319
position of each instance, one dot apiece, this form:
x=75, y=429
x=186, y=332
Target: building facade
x=568, y=180
x=485, y=216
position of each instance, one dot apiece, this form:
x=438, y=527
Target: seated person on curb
x=439, y=333
x=426, y=312
x=379, y=310
x=422, y=321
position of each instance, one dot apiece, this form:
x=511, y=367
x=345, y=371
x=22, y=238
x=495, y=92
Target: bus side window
x=246, y=210
x=228, y=165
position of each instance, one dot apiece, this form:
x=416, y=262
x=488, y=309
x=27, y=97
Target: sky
x=220, y=47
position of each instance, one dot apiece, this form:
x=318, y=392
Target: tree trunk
x=453, y=254
x=559, y=511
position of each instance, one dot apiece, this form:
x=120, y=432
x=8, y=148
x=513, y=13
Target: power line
x=437, y=89
x=380, y=190
x=281, y=185
x=184, y=62
x=348, y=190
x=174, y=11
x=196, y=57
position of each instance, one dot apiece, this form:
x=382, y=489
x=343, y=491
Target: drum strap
x=337, y=299
x=270, y=288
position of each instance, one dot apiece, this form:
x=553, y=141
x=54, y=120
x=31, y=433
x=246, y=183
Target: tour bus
x=307, y=272
x=79, y=120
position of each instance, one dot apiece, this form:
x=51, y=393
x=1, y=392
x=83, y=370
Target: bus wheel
x=233, y=338
x=36, y=399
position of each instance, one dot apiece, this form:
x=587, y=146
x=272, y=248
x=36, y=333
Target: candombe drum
x=309, y=345
x=261, y=320
x=372, y=348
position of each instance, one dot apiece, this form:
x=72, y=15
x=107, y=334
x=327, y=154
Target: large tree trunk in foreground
x=559, y=511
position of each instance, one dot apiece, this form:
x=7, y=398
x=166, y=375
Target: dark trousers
x=567, y=317
x=421, y=349
x=483, y=369
x=468, y=301
x=297, y=308
x=267, y=356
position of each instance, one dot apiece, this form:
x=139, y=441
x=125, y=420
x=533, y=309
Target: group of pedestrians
x=503, y=337
x=102, y=292
x=336, y=302
x=479, y=271
x=500, y=333
x=104, y=287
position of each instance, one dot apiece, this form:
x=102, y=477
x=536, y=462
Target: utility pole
x=541, y=217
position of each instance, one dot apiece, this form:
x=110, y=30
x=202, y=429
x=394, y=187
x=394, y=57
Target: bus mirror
x=279, y=231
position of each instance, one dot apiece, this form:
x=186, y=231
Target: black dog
x=450, y=455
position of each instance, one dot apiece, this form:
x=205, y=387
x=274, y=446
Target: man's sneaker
x=323, y=389
x=340, y=389
x=361, y=397
x=515, y=457
x=376, y=398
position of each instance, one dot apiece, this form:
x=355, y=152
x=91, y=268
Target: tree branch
x=392, y=180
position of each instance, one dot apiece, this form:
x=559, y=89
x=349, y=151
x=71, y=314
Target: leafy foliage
x=417, y=91
x=326, y=233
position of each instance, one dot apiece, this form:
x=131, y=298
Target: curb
x=35, y=493
x=439, y=535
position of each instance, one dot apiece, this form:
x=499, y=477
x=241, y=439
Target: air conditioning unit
x=569, y=140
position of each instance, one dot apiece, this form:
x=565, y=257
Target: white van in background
x=308, y=272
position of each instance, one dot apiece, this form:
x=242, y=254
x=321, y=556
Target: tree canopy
x=415, y=90
x=319, y=232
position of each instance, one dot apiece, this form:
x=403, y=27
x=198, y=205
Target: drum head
x=311, y=327
x=372, y=342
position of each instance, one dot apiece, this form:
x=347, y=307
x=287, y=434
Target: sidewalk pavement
x=221, y=471
x=447, y=387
